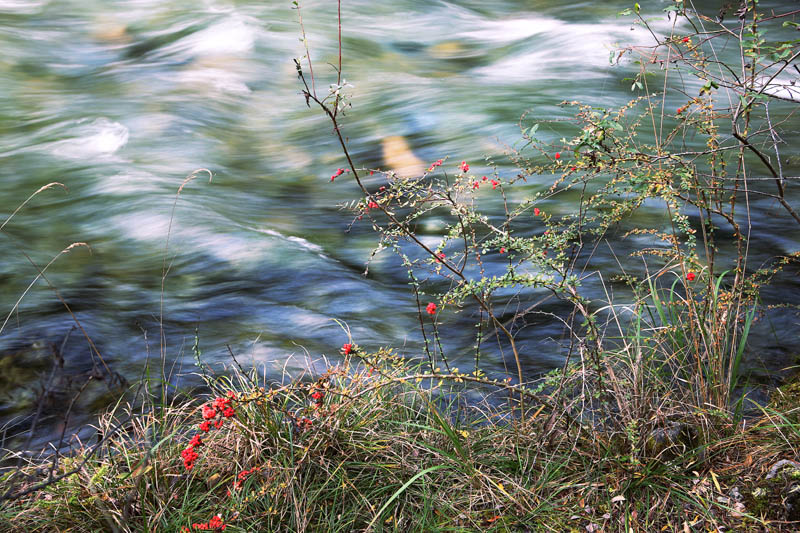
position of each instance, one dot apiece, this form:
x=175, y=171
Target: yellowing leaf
x=716, y=482
x=142, y=469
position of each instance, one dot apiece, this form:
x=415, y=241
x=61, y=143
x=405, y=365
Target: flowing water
x=120, y=100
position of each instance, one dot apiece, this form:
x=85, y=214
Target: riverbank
x=376, y=444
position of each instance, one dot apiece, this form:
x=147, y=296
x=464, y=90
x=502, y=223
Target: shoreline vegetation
x=376, y=444
x=647, y=426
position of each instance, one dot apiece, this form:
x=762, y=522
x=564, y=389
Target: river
x=121, y=100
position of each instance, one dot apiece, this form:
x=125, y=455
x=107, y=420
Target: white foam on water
x=151, y=125
x=581, y=48
x=142, y=226
x=262, y=353
x=217, y=79
x=101, y=138
x=214, y=6
x=231, y=36
x=308, y=245
x=431, y=241
x=509, y=30
x=235, y=247
x=185, y=237
x=135, y=182
x=23, y=7
x=785, y=88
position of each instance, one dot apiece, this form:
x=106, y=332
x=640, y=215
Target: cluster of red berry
x=243, y=475
x=215, y=524
x=188, y=453
x=318, y=396
x=219, y=407
x=437, y=163
x=339, y=172
x=476, y=184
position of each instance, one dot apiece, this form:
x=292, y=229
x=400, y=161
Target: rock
x=20, y=372
x=398, y=157
x=781, y=464
x=39, y=382
x=672, y=440
x=110, y=30
x=446, y=50
x=777, y=495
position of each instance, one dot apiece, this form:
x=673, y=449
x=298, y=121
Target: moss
x=777, y=498
x=756, y=501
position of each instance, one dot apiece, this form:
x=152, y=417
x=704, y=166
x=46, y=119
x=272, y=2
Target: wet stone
x=20, y=372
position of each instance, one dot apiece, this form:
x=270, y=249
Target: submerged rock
x=19, y=376
x=110, y=30
x=399, y=158
x=446, y=50
x=43, y=387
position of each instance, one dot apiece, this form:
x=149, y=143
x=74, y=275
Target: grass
x=387, y=450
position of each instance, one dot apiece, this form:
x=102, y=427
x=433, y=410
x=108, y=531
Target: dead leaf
x=715, y=480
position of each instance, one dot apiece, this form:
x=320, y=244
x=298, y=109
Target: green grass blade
x=400, y=491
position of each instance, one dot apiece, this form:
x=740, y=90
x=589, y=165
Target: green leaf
x=399, y=491
x=706, y=89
